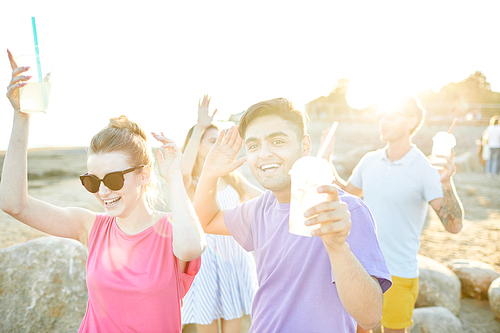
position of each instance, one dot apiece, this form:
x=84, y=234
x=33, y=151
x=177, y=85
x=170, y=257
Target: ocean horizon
x=47, y=131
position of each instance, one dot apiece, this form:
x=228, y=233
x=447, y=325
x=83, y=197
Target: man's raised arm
x=449, y=208
x=220, y=161
x=360, y=293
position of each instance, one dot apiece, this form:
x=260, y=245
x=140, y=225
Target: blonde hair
x=235, y=178
x=494, y=120
x=126, y=136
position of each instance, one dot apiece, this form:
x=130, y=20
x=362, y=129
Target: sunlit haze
x=152, y=61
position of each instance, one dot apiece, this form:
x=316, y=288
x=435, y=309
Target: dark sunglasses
x=113, y=180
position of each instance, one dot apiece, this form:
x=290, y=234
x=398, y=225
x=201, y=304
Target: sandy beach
x=52, y=177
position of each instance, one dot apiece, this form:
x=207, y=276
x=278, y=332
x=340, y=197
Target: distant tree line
x=472, y=96
x=465, y=95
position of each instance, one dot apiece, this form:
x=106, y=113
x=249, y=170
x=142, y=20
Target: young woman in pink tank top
x=140, y=265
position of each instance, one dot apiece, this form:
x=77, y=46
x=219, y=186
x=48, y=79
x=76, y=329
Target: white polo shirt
x=398, y=194
x=493, y=133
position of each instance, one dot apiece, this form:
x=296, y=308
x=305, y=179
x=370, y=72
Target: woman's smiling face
x=118, y=203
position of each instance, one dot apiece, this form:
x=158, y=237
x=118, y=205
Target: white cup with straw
x=442, y=144
x=307, y=174
x=34, y=96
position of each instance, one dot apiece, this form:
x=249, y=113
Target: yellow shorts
x=399, y=302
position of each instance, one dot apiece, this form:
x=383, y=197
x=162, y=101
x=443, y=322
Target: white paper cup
x=442, y=144
x=35, y=95
x=307, y=174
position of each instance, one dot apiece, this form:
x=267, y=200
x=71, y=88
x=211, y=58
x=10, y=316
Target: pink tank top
x=134, y=281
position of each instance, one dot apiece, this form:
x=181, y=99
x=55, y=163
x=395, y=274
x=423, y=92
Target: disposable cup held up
x=307, y=174
x=442, y=144
x=35, y=95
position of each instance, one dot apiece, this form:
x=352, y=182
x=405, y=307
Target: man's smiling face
x=272, y=146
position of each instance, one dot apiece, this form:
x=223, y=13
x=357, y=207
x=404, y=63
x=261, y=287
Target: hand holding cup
x=308, y=173
x=332, y=217
x=16, y=82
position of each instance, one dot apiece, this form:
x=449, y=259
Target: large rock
x=42, y=286
x=438, y=286
x=468, y=162
x=435, y=319
x=351, y=159
x=494, y=296
x=476, y=316
x=476, y=277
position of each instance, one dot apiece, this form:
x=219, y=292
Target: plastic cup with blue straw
x=34, y=96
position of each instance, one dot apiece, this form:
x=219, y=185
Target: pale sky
x=153, y=60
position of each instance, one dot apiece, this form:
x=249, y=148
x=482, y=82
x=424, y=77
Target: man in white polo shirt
x=492, y=137
x=397, y=183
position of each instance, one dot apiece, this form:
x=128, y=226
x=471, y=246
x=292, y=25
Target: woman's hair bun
x=122, y=122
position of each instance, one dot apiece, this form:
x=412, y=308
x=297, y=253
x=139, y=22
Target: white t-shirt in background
x=493, y=135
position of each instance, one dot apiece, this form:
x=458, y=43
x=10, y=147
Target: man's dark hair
x=280, y=107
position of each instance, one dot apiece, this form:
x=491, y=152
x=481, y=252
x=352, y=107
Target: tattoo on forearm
x=451, y=211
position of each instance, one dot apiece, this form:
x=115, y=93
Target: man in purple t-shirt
x=306, y=284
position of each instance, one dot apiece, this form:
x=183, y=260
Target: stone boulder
x=42, y=286
x=438, y=286
x=435, y=319
x=468, y=162
x=346, y=163
x=476, y=316
x=494, y=296
x=476, y=277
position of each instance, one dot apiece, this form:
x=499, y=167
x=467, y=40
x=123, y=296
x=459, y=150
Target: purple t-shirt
x=296, y=293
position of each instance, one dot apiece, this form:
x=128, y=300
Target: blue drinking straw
x=36, y=50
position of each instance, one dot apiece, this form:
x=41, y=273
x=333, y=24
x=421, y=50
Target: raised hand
x=448, y=169
x=170, y=158
x=204, y=119
x=16, y=82
x=333, y=216
x=221, y=159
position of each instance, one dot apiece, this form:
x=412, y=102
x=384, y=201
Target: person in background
x=483, y=151
x=491, y=138
x=398, y=183
x=225, y=286
x=323, y=283
x=141, y=262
